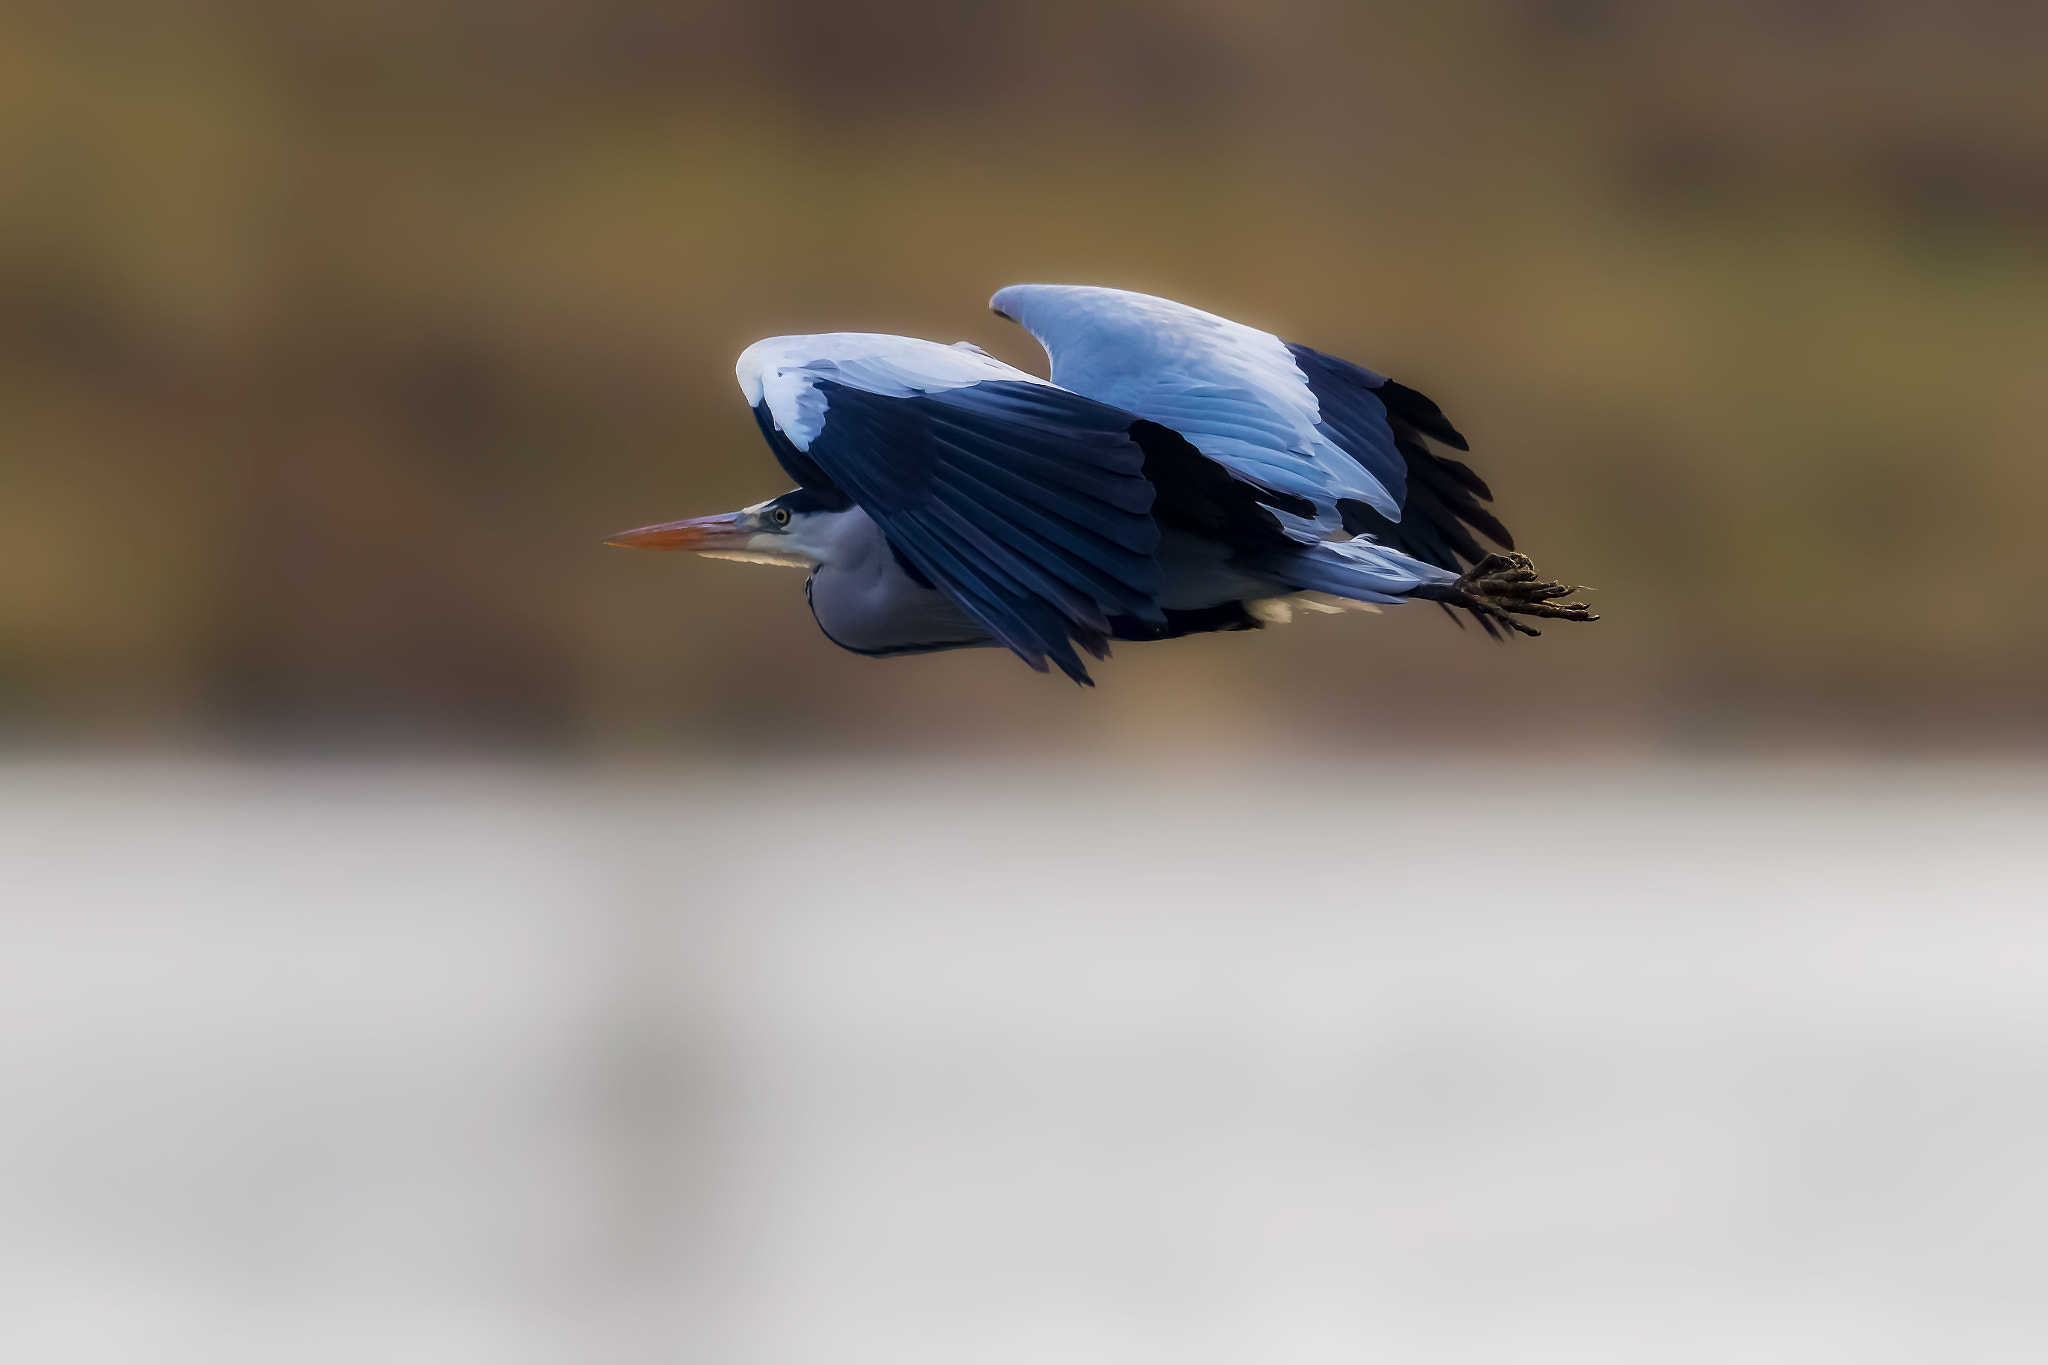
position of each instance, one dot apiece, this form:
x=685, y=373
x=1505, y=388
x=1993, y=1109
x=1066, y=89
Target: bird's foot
x=1500, y=588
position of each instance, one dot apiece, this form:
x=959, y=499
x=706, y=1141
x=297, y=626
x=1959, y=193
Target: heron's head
x=789, y=530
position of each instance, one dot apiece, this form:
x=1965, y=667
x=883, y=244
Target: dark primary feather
x=1024, y=503
x=1197, y=494
x=1440, y=497
x=1354, y=415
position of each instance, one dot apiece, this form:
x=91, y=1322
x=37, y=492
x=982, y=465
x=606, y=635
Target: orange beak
x=726, y=531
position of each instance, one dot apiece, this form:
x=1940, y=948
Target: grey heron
x=949, y=501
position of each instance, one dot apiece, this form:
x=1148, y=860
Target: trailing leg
x=1500, y=588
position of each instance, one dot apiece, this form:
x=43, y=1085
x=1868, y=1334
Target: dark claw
x=1503, y=587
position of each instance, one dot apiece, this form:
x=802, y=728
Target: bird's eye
x=780, y=516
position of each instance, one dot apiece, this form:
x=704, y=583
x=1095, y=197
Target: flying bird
x=1177, y=475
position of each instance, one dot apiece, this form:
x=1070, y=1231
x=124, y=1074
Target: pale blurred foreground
x=965, y=1065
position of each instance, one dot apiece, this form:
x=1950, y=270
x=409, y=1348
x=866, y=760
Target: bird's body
x=1178, y=472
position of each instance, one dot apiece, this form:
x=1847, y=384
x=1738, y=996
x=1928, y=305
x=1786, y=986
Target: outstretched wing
x=1024, y=503
x=1236, y=393
x=1286, y=417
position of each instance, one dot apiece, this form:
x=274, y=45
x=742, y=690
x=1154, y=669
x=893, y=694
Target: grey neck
x=865, y=602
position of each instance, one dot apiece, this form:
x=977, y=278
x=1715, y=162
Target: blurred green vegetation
x=334, y=334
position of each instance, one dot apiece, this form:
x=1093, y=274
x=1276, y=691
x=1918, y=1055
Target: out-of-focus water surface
x=998, y=1064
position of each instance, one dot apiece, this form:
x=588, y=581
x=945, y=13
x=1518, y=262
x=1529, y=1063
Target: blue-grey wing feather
x=1346, y=441
x=1025, y=503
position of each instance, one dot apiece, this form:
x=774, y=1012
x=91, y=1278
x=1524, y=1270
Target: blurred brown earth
x=334, y=335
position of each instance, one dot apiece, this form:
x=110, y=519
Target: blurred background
x=336, y=332
x=432, y=936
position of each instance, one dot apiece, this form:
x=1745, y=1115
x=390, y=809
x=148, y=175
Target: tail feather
x=1359, y=569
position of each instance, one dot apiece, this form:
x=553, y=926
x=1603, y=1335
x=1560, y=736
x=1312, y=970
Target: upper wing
x=1024, y=503
x=1284, y=416
x=1238, y=394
